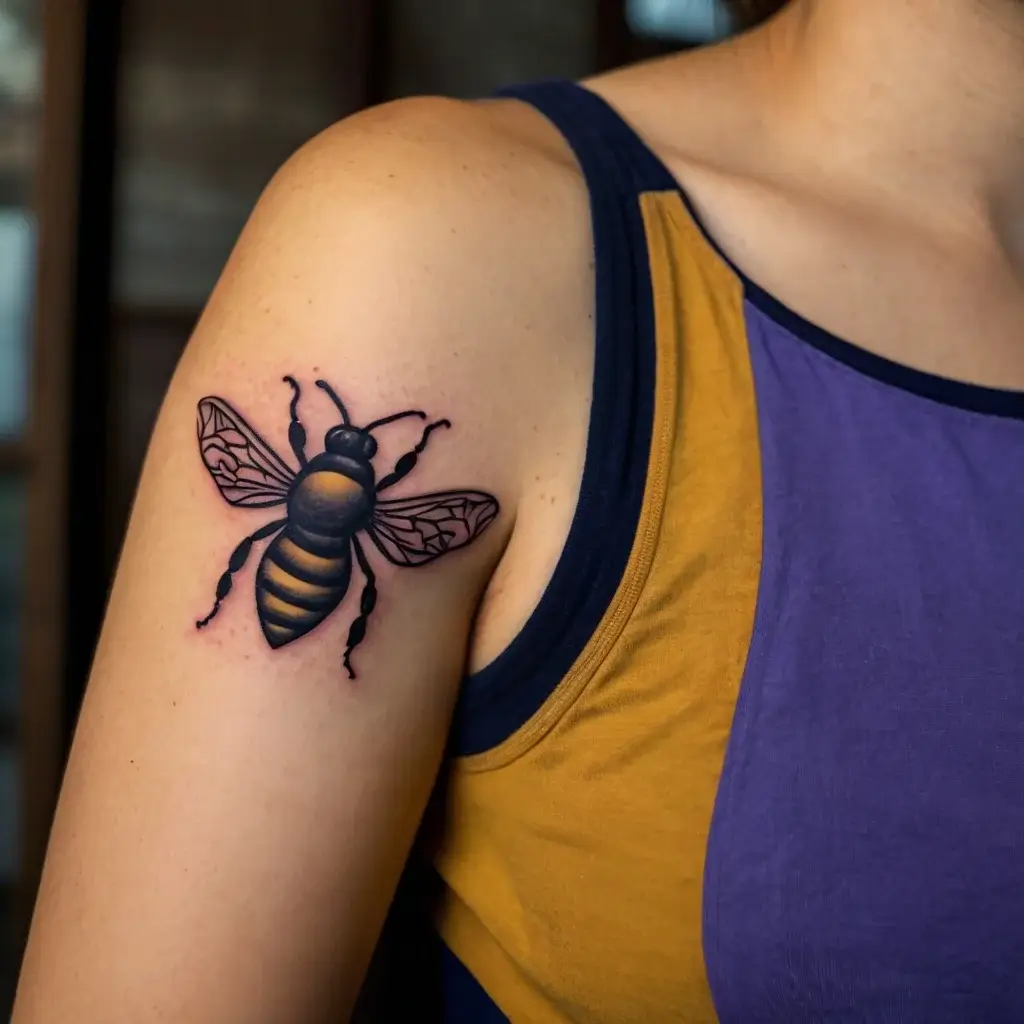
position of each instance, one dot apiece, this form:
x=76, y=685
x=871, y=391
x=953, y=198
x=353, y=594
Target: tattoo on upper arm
x=332, y=498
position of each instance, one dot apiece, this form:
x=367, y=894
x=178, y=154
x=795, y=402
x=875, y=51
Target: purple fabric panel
x=866, y=859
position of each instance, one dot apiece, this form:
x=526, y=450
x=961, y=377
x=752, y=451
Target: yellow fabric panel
x=574, y=852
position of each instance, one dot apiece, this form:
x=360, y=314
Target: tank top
x=758, y=754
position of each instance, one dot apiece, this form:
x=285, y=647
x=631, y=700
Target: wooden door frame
x=45, y=451
x=14, y=457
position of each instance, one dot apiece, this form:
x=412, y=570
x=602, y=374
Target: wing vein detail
x=415, y=531
x=246, y=470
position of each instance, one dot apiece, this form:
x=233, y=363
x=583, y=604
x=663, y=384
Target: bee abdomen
x=296, y=588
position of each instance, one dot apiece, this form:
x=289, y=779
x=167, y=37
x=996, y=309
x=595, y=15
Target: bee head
x=350, y=441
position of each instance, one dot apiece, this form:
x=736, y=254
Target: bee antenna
x=418, y=413
x=324, y=386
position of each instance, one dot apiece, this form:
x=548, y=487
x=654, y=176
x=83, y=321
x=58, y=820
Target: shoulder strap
x=497, y=701
x=608, y=149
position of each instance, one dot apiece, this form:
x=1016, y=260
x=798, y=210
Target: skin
x=233, y=819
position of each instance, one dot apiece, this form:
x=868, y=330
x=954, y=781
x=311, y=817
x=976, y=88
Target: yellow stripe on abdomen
x=305, y=594
x=296, y=590
x=272, y=606
x=288, y=554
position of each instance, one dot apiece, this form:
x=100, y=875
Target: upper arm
x=234, y=816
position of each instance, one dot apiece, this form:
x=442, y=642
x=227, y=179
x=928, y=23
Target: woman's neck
x=922, y=99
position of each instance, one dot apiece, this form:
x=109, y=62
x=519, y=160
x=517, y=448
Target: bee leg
x=235, y=562
x=367, y=602
x=407, y=463
x=296, y=431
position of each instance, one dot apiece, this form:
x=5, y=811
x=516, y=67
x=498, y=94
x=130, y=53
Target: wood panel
x=44, y=607
x=14, y=457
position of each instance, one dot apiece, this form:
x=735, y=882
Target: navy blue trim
x=956, y=393
x=500, y=699
x=464, y=1000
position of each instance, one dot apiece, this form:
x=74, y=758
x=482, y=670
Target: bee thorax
x=329, y=503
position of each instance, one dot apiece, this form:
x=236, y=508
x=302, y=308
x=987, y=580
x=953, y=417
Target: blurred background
x=135, y=136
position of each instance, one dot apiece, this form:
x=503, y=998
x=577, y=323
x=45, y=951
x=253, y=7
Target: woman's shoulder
x=428, y=163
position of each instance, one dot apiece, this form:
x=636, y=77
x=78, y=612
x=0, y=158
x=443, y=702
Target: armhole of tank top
x=499, y=700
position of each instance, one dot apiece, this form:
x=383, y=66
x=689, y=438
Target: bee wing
x=414, y=531
x=247, y=470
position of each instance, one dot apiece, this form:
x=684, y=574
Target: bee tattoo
x=331, y=499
